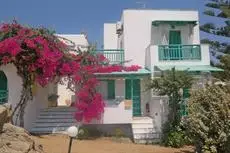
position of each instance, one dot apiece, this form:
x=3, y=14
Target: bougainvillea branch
x=40, y=56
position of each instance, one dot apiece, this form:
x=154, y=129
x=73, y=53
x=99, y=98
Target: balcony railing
x=179, y=52
x=3, y=96
x=115, y=56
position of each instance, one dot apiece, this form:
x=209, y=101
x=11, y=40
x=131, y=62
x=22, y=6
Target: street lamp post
x=72, y=132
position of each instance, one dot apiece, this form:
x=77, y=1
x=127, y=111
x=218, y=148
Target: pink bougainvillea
x=41, y=56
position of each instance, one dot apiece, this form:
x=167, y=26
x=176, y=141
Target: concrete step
x=53, y=120
x=144, y=130
x=48, y=130
x=146, y=136
x=142, y=121
x=38, y=125
x=45, y=120
x=56, y=117
x=58, y=109
x=46, y=113
x=146, y=141
x=142, y=125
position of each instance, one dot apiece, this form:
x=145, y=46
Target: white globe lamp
x=72, y=132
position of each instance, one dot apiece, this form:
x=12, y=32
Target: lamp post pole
x=72, y=132
x=70, y=144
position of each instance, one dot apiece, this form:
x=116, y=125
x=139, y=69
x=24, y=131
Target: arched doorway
x=3, y=88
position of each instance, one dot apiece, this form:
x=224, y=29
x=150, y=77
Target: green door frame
x=136, y=100
x=3, y=88
x=175, y=42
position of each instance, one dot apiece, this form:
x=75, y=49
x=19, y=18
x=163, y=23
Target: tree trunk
x=19, y=110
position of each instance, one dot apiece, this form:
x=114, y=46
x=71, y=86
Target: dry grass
x=59, y=144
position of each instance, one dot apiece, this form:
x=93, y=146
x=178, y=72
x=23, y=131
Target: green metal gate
x=132, y=91
x=3, y=88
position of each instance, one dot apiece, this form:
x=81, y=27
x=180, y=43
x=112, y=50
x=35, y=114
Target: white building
x=157, y=40
x=11, y=87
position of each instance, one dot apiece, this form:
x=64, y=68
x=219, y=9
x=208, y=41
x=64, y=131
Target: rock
x=14, y=139
x=3, y=116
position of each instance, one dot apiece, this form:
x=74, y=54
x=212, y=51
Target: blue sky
x=74, y=16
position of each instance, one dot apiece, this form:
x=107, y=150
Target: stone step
x=146, y=141
x=45, y=120
x=144, y=130
x=56, y=113
x=142, y=125
x=56, y=117
x=48, y=130
x=142, y=121
x=63, y=109
x=43, y=125
x=144, y=136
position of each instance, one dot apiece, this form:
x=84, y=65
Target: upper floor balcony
x=180, y=55
x=115, y=56
x=179, y=52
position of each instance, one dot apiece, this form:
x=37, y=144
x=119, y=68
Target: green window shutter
x=128, y=89
x=111, y=89
x=183, y=105
x=186, y=93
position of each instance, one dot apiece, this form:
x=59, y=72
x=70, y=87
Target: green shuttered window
x=128, y=89
x=183, y=105
x=111, y=89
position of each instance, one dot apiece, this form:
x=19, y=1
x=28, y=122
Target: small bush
x=119, y=133
x=176, y=138
x=89, y=133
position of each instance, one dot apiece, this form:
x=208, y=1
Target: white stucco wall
x=80, y=40
x=145, y=95
x=110, y=36
x=117, y=115
x=160, y=34
x=159, y=111
x=138, y=32
x=15, y=87
x=65, y=94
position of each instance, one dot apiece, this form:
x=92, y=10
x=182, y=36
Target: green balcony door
x=3, y=87
x=132, y=91
x=175, y=42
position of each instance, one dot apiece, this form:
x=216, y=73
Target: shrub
x=89, y=133
x=223, y=15
x=208, y=121
x=227, y=22
x=119, y=133
x=213, y=5
x=209, y=12
x=176, y=138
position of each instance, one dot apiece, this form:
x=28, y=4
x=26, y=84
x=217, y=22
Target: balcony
x=179, y=52
x=3, y=96
x=115, y=56
x=177, y=55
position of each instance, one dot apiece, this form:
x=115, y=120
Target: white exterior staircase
x=54, y=120
x=144, y=130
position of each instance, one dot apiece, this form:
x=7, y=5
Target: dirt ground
x=59, y=144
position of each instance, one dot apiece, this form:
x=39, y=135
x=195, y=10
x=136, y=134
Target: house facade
x=156, y=40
